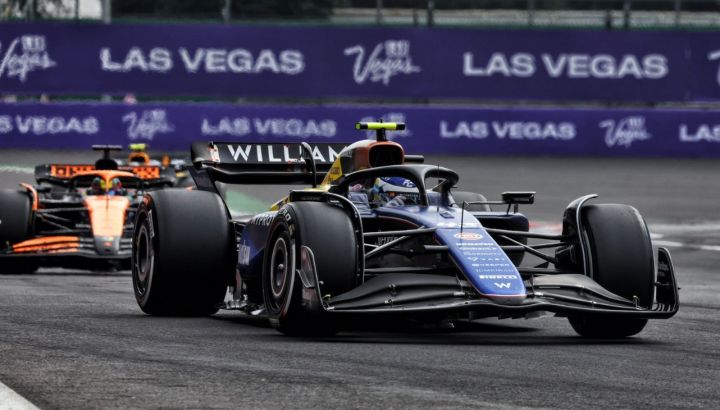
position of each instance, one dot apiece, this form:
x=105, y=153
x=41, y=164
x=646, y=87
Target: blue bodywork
x=252, y=244
x=485, y=265
x=473, y=250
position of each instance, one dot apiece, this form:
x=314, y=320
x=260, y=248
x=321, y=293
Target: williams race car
x=78, y=215
x=381, y=234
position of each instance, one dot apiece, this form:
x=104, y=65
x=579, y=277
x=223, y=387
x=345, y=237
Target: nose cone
x=107, y=245
x=484, y=264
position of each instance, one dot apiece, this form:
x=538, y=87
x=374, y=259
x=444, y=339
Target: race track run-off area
x=77, y=339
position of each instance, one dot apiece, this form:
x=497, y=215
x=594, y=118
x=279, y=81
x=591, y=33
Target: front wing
x=563, y=294
x=65, y=251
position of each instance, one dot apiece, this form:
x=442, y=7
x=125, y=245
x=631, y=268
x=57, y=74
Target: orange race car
x=77, y=216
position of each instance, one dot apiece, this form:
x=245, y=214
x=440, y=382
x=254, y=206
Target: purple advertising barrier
x=359, y=63
x=430, y=130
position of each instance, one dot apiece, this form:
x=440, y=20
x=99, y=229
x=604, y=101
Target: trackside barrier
x=430, y=130
x=359, y=62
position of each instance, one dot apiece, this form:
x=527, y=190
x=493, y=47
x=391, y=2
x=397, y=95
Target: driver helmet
x=97, y=186
x=395, y=191
x=115, y=186
x=138, y=154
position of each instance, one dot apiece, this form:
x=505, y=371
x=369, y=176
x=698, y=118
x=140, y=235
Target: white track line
x=657, y=238
x=672, y=244
x=9, y=400
x=15, y=169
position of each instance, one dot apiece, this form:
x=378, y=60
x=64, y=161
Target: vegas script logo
x=147, y=124
x=24, y=55
x=624, y=132
x=387, y=59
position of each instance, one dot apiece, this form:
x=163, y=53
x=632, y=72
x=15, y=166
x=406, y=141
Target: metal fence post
x=30, y=10
x=626, y=14
x=608, y=19
x=430, y=13
x=678, y=8
x=107, y=11
x=531, y=12
x=226, y=11
x=107, y=19
x=378, y=11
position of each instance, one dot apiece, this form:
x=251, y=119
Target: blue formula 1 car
x=379, y=233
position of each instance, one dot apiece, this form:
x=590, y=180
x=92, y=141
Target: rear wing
x=60, y=174
x=262, y=163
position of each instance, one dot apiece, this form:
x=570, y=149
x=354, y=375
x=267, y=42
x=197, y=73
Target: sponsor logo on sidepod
x=468, y=236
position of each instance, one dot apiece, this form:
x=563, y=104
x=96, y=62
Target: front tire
x=16, y=225
x=329, y=233
x=622, y=262
x=183, y=253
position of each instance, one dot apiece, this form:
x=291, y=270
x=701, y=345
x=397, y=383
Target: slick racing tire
x=463, y=196
x=183, y=253
x=328, y=232
x=16, y=225
x=622, y=262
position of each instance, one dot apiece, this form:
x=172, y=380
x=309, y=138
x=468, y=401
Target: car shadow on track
x=84, y=273
x=462, y=333
x=482, y=339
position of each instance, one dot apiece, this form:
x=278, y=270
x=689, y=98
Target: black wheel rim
x=279, y=261
x=144, y=260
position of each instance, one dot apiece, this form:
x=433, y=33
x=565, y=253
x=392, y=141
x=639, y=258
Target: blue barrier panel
x=431, y=130
x=335, y=62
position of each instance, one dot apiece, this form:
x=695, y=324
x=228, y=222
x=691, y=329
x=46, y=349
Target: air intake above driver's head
x=106, y=164
x=383, y=154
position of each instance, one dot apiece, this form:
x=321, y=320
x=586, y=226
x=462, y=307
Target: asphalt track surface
x=74, y=339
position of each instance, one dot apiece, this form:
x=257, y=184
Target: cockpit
x=117, y=183
x=385, y=191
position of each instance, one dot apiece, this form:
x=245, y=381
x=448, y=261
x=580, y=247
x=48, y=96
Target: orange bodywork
x=107, y=175
x=48, y=244
x=145, y=171
x=34, y=194
x=107, y=214
x=69, y=170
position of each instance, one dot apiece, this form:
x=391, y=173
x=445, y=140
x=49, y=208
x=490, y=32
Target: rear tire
x=622, y=262
x=183, y=253
x=329, y=233
x=16, y=225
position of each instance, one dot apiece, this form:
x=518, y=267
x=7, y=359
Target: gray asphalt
x=73, y=339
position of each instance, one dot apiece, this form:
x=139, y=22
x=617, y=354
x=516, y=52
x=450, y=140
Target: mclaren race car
x=78, y=215
x=380, y=234
x=139, y=156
